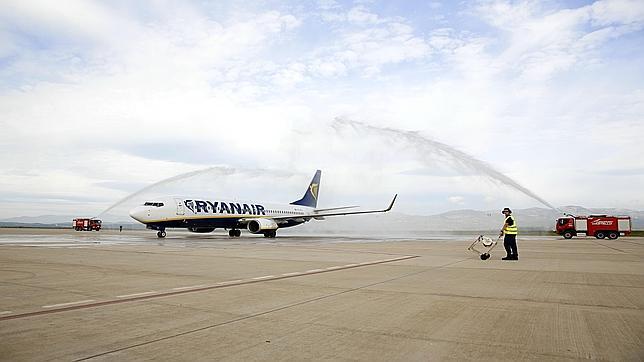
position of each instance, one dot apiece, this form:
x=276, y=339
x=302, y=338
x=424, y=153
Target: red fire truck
x=599, y=226
x=86, y=224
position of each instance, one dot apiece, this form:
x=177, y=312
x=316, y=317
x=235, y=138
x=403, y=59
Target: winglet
x=392, y=203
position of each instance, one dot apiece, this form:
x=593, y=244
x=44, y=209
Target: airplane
x=201, y=215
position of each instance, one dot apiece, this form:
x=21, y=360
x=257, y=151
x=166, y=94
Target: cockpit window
x=155, y=204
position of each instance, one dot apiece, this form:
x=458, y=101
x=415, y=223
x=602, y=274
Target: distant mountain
x=538, y=219
x=55, y=219
x=60, y=221
x=42, y=219
x=459, y=220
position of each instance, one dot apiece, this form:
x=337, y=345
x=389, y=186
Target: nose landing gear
x=161, y=234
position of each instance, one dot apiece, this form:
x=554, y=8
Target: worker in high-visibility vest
x=510, y=231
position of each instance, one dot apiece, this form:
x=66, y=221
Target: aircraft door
x=180, y=208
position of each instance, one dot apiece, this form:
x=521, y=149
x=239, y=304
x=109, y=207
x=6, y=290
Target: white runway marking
x=135, y=294
x=91, y=303
x=289, y=274
x=231, y=282
x=190, y=287
x=66, y=304
x=264, y=277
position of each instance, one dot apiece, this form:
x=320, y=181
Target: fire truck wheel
x=613, y=235
x=600, y=235
x=161, y=234
x=567, y=235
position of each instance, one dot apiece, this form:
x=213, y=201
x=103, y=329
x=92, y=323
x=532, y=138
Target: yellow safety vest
x=510, y=229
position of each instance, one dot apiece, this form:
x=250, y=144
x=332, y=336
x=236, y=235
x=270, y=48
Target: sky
x=99, y=99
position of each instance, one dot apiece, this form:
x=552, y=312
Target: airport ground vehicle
x=84, y=224
x=599, y=226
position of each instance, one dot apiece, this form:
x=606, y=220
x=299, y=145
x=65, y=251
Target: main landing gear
x=234, y=233
x=161, y=233
x=270, y=234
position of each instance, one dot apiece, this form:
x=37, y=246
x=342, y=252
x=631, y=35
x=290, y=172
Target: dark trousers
x=510, y=244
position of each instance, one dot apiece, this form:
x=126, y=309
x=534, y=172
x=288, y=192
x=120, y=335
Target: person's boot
x=509, y=257
x=514, y=257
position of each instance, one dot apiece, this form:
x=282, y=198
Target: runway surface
x=68, y=295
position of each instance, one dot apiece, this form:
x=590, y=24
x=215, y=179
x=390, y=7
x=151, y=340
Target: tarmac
x=106, y=295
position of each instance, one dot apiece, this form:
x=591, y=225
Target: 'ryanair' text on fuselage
x=216, y=207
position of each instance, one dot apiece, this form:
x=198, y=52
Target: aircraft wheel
x=231, y=233
x=237, y=233
x=161, y=234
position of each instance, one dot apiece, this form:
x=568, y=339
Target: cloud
x=544, y=42
x=627, y=12
x=367, y=43
x=143, y=92
x=458, y=200
x=360, y=15
x=76, y=21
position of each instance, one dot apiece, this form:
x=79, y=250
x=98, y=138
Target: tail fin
x=310, y=197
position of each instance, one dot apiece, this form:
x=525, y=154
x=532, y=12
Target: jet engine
x=260, y=225
x=195, y=229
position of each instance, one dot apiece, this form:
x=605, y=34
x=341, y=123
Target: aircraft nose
x=138, y=214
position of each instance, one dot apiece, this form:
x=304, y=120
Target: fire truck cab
x=599, y=226
x=84, y=224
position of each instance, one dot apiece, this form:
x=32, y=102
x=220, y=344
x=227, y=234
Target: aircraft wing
x=317, y=215
x=335, y=208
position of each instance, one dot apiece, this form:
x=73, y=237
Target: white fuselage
x=215, y=213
